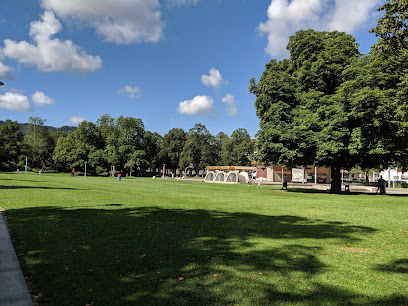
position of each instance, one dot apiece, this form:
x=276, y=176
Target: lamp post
x=85, y=169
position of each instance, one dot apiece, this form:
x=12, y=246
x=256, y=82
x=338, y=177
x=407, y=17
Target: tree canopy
x=328, y=105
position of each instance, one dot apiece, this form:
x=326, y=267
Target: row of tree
x=121, y=142
x=329, y=105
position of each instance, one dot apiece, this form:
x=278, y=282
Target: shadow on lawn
x=153, y=256
x=397, y=266
x=37, y=187
x=304, y=190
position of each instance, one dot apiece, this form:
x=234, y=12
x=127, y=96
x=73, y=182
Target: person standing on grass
x=260, y=182
x=381, y=185
x=73, y=172
x=284, y=182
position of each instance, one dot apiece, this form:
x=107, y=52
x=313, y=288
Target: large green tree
x=392, y=26
x=130, y=143
x=10, y=144
x=79, y=147
x=152, y=144
x=39, y=143
x=199, y=149
x=172, y=147
x=219, y=142
x=237, y=149
x=301, y=120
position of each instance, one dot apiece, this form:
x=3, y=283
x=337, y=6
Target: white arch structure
x=226, y=177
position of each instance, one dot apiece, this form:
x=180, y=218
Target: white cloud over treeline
x=15, y=102
x=39, y=98
x=199, y=105
x=287, y=17
x=214, y=79
x=50, y=54
x=118, y=21
x=131, y=92
x=229, y=100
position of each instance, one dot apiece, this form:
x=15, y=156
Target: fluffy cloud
x=131, y=92
x=76, y=120
x=200, y=105
x=50, y=54
x=5, y=72
x=214, y=79
x=286, y=17
x=171, y=3
x=118, y=21
x=15, y=102
x=40, y=98
x=231, y=108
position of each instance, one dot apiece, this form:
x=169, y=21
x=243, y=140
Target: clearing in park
x=164, y=242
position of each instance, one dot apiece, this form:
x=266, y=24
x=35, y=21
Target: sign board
x=297, y=175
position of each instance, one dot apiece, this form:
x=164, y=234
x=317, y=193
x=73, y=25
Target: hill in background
x=65, y=128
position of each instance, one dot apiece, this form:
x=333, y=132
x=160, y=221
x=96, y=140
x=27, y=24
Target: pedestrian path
x=13, y=287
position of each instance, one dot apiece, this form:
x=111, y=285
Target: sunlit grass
x=143, y=241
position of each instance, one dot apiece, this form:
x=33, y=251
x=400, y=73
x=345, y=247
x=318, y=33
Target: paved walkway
x=13, y=288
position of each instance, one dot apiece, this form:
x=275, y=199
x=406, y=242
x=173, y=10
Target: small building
x=271, y=173
x=309, y=174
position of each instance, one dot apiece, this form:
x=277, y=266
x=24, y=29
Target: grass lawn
x=164, y=242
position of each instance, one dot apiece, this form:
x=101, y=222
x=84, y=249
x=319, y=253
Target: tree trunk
x=336, y=180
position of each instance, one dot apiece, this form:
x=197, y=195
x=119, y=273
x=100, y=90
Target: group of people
x=260, y=180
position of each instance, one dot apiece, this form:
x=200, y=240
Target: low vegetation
x=164, y=242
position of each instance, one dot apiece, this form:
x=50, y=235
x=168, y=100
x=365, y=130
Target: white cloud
x=76, y=120
x=118, y=21
x=131, y=92
x=200, y=105
x=350, y=15
x=214, y=79
x=15, y=102
x=171, y=3
x=50, y=54
x=287, y=17
x=231, y=108
x=40, y=98
x=5, y=72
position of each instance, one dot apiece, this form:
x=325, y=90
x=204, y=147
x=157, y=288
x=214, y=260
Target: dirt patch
x=354, y=250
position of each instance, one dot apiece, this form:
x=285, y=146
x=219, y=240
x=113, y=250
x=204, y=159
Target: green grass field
x=164, y=242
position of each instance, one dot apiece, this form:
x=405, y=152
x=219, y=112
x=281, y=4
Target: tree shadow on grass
x=397, y=266
x=37, y=187
x=351, y=193
x=154, y=256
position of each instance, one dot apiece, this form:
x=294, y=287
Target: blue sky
x=172, y=63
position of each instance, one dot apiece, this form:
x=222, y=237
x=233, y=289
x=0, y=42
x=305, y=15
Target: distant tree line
x=65, y=128
x=120, y=142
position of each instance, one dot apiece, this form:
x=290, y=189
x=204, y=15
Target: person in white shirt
x=260, y=182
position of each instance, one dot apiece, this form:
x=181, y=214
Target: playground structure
x=228, y=174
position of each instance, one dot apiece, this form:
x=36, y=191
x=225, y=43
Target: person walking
x=381, y=185
x=73, y=172
x=284, y=182
x=260, y=182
